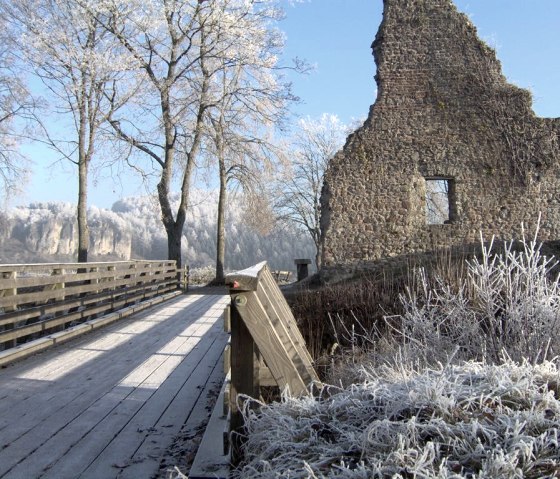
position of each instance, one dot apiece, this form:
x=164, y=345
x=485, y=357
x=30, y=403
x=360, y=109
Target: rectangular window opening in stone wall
x=440, y=201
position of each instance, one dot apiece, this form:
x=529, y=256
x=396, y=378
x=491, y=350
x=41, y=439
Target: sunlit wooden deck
x=109, y=404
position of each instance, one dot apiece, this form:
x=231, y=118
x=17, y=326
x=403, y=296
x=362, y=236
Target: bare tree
x=16, y=110
x=183, y=48
x=437, y=201
x=315, y=142
x=81, y=67
x=250, y=107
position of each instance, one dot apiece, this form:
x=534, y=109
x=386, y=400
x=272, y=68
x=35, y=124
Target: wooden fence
x=266, y=349
x=37, y=300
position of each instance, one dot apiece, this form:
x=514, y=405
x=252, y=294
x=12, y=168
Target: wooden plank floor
x=109, y=404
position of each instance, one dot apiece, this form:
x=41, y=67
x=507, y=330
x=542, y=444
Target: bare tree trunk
x=221, y=233
x=83, y=163
x=174, y=237
x=172, y=227
x=83, y=229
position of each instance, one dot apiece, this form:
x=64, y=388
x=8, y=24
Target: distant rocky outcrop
x=48, y=231
x=45, y=232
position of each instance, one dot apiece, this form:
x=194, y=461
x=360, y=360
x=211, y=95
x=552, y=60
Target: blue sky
x=335, y=35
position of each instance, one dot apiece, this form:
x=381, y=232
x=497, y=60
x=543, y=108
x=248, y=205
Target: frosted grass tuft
x=472, y=420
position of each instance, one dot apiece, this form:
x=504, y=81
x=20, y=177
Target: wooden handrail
x=39, y=299
x=266, y=344
x=266, y=349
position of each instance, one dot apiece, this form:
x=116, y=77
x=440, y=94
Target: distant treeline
x=132, y=229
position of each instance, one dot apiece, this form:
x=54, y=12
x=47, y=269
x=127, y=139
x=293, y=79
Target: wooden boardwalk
x=109, y=404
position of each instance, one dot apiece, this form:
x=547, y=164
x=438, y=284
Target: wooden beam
x=282, y=319
x=279, y=353
x=244, y=375
x=246, y=279
x=210, y=460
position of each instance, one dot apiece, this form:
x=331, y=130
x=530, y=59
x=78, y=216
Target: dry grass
x=450, y=372
x=503, y=302
x=366, y=300
x=469, y=421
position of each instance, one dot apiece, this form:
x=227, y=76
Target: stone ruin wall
x=443, y=110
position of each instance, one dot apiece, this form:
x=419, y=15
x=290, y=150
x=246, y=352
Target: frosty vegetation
x=507, y=304
x=464, y=384
x=475, y=420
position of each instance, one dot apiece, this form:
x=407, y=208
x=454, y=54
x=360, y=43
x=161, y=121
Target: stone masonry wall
x=443, y=110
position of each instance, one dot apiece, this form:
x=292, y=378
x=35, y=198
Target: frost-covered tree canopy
x=16, y=105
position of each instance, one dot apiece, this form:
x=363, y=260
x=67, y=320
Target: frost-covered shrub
x=470, y=421
x=495, y=415
x=202, y=276
x=507, y=306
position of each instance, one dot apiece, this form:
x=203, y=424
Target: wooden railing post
x=94, y=280
x=245, y=363
x=61, y=285
x=186, y=278
x=111, y=269
x=132, y=274
x=9, y=292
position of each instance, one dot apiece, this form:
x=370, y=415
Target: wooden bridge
x=129, y=399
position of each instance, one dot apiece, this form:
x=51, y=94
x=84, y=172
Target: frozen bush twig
x=508, y=305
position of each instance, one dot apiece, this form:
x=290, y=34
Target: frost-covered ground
x=471, y=421
x=489, y=409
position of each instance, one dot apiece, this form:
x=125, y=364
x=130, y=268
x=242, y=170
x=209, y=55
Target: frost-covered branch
x=315, y=142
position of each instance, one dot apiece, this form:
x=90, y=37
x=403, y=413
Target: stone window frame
x=451, y=199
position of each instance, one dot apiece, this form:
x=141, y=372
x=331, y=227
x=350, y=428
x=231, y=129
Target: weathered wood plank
x=50, y=279
x=164, y=414
x=101, y=453
x=244, y=371
x=280, y=355
x=285, y=314
x=34, y=267
x=227, y=357
x=109, y=301
x=94, y=358
x=246, y=279
x=284, y=324
x=109, y=295
x=59, y=293
x=266, y=378
x=211, y=461
x=227, y=319
x=121, y=399
x=77, y=316
x=196, y=399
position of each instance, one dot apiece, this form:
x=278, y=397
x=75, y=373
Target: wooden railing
x=37, y=300
x=266, y=349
